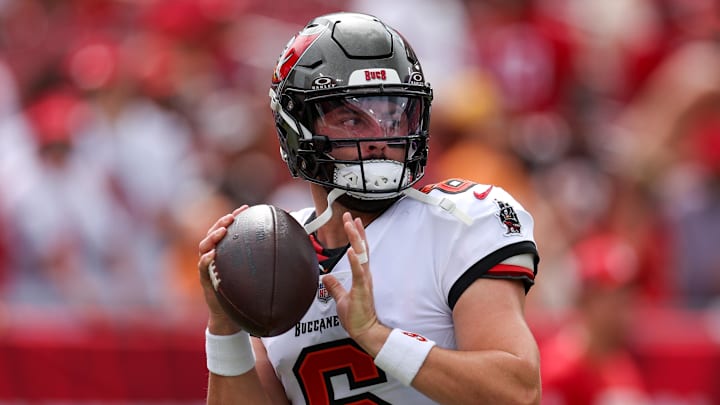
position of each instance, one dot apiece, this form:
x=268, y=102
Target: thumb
x=334, y=287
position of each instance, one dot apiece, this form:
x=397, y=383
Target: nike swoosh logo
x=481, y=196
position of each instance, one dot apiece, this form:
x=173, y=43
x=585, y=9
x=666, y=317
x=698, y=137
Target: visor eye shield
x=349, y=121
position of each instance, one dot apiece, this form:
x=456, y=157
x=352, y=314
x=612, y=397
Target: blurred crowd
x=128, y=126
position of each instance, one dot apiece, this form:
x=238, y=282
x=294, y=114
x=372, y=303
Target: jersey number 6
x=317, y=364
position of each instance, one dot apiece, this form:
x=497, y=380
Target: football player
x=422, y=292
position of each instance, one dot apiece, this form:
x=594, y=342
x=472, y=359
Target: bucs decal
x=380, y=74
x=508, y=218
x=294, y=50
x=362, y=77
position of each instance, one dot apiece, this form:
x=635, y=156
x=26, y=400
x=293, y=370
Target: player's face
x=372, y=126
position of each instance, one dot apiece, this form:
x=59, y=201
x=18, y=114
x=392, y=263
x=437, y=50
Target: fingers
x=358, y=252
x=239, y=210
x=223, y=222
x=206, y=247
x=208, y=242
x=362, y=255
x=218, y=319
x=226, y=220
x=358, y=255
x=356, y=306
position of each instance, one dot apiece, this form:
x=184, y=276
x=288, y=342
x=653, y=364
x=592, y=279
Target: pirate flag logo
x=508, y=218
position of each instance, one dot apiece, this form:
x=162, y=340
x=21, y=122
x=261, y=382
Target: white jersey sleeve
x=501, y=229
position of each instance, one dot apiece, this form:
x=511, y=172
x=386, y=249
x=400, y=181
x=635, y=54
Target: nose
x=374, y=149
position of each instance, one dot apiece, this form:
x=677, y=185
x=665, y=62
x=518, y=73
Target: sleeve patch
x=508, y=218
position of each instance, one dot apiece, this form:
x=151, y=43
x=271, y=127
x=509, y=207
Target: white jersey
x=421, y=259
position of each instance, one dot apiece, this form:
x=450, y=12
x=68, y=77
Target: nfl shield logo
x=323, y=295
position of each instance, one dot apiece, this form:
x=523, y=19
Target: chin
x=366, y=206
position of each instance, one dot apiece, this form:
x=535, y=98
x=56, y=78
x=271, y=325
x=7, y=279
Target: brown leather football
x=265, y=271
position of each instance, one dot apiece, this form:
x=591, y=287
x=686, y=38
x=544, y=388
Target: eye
x=390, y=124
x=350, y=123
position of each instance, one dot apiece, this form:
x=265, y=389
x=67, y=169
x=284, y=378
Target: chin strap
x=321, y=219
x=447, y=205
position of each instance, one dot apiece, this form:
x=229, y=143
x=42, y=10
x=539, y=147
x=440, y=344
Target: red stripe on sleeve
x=511, y=270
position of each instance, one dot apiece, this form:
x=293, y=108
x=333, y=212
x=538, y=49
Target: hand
x=356, y=308
x=218, y=322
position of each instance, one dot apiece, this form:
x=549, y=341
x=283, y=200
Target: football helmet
x=352, y=107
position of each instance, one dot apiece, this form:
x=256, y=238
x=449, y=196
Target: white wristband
x=229, y=355
x=403, y=354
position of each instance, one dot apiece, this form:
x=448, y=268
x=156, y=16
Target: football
x=265, y=272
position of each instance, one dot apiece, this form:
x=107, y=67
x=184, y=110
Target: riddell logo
x=375, y=75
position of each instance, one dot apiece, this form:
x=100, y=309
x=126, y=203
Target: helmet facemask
x=373, y=146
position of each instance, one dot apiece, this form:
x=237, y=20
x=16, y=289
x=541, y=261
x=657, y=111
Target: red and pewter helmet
x=356, y=63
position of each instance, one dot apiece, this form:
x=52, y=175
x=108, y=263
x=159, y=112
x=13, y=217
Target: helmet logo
x=294, y=50
x=370, y=76
x=375, y=74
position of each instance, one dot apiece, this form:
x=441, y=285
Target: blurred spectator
x=576, y=198
x=653, y=144
x=618, y=44
x=4, y=247
x=179, y=255
x=16, y=147
x=690, y=192
x=146, y=149
x=526, y=50
x=589, y=361
x=12, y=149
x=474, y=136
x=68, y=236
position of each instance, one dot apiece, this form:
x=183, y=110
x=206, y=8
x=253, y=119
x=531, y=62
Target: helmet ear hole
x=307, y=166
x=286, y=158
x=287, y=103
